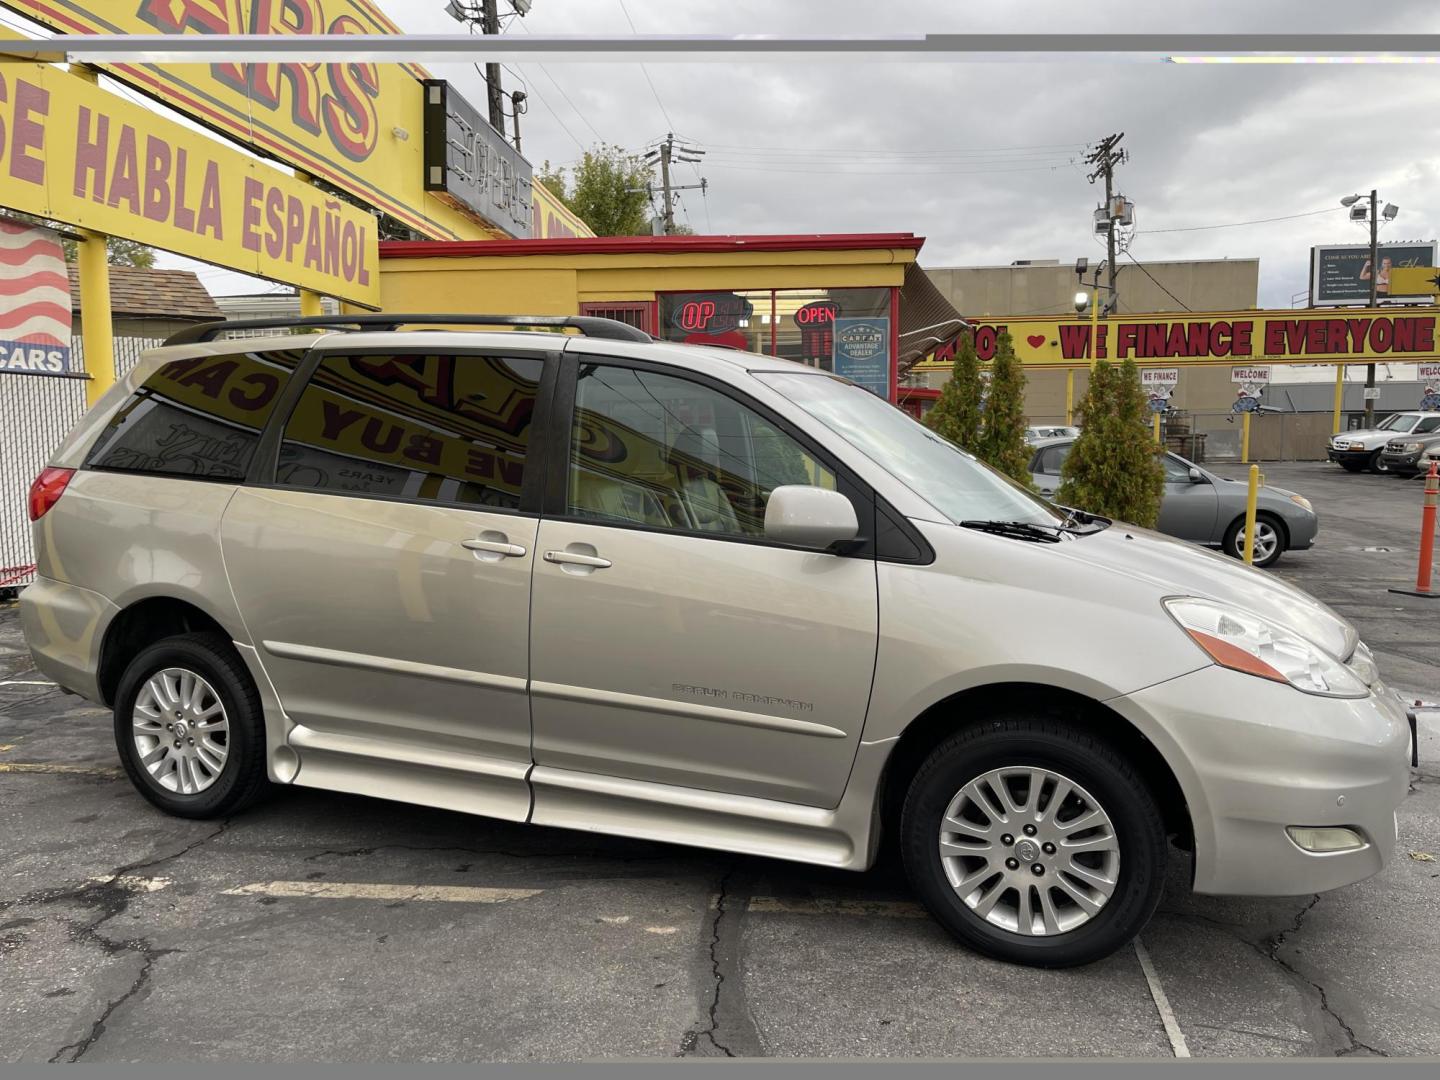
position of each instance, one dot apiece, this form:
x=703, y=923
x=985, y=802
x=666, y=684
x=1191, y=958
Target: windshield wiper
x=1021, y=530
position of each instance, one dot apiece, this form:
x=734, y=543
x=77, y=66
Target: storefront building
x=847, y=303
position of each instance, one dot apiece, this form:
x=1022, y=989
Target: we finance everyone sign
x=71, y=152
x=1285, y=337
x=356, y=125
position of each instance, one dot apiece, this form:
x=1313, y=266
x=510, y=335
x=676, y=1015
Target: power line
x=902, y=170
x=1237, y=224
x=584, y=119
x=646, y=72
x=1152, y=277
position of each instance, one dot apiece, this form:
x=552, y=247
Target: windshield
x=937, y=470
x=1397, y=422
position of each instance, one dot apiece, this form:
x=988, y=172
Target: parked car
x=1405, y=456
x=692, y=595
x=1207, y=509
x=1365, y=449
x=1050, y=431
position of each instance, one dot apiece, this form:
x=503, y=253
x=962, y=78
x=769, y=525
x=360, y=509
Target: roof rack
x=588, y=325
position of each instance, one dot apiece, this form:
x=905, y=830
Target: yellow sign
x=553, y=219
x=1287, y=337
x=73, y=153
x=1414, y=281
x=357, y=125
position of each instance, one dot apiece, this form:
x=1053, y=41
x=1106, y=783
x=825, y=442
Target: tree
x=608, y=190
x=956, y=416
x=1114, y=468
x=1002, y=437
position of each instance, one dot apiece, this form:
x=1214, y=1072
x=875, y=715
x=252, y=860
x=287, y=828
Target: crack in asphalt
x=1270, y=950
x=112, y=899
x=690, y=1044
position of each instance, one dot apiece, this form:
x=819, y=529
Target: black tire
x=1232, y=542
x=1375, y=464
x=1026, y=740
x=242, y=778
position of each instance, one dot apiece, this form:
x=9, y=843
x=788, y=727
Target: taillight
x=45, y=492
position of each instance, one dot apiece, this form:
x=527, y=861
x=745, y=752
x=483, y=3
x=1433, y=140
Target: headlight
x=1302, y=502
x=1242, y=641
x=1362, y=663
x=1412, y=447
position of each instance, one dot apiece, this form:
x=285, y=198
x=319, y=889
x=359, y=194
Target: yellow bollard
x=1156, y=421
x=1339, y=397
x=97, y=330
x=1069, y=396
x=1250, y=500
x=1245, y=438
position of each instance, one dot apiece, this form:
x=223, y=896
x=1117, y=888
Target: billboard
x=34, y=301
x=472, y=165
x=1301, y=337
x=1340, y=273
x=358, y=126
x=85, y=157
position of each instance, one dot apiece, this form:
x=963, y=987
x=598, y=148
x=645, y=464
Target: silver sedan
x=1204, y=508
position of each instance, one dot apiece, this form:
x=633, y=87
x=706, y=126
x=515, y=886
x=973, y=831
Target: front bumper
x=1353, y=457
x=1254, y=757
x=1402, y=462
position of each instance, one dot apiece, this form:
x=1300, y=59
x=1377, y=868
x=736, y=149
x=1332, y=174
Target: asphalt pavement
x=340, y=928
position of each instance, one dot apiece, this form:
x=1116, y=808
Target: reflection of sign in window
x=816, y=321
x=708, y=313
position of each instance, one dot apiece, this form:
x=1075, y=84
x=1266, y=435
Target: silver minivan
x=588, y=580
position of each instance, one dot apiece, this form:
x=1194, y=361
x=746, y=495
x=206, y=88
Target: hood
x=1369, y=434
x=1176, y=568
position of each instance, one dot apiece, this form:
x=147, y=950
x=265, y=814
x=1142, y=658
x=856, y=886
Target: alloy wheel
x=1029, y=851
x=1266, y=539
x=181, y=732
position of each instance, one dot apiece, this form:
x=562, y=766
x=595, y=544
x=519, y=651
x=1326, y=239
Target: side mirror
x=1196, y=476
x=809, y=516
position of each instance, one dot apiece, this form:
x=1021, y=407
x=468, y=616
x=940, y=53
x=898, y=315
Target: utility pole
x=490, y=24
x=517, y=108
x=1105, y=157
x=1374, y=297
x=665, y=153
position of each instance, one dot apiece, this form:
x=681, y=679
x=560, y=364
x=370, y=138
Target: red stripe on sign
x=42, y=279
x=48, y=340
x=42, y=310
x=14, y=256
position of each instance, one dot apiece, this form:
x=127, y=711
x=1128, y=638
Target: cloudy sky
x=982, y=159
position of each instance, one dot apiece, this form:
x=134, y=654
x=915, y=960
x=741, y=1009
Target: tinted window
x=448, y=429
x=1427, y=425
x=656, y=450
x=199, y=417
x=1176, y=471
x=1052, y=457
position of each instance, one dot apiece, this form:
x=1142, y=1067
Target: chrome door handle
x=576, y=559
x=496, y=547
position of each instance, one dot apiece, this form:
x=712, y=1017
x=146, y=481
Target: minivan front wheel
x=189, y=727
x=1033, y=842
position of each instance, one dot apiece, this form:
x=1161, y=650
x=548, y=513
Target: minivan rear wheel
x=1033, y=842
x=189, y=727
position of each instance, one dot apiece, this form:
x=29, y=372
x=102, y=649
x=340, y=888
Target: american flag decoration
x=34, y=301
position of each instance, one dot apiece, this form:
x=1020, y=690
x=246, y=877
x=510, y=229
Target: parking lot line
x=59, y=767
x=1162, y=1003
x=892, y=909
x=359, y=890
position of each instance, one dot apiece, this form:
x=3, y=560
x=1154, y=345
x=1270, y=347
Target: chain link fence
x=37, y=412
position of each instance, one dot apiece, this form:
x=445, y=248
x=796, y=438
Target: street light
x=1373, y=214
x=1082, y=301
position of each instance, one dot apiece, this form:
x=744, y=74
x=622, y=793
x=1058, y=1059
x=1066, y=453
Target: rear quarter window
x=199, y=417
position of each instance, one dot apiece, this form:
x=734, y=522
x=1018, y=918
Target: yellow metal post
x=96, y=327
x=1156, y=421
x=310, y=303
x=1245, y=438
x=1069, y=396
x=1339, y=397
x=1250, y=500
